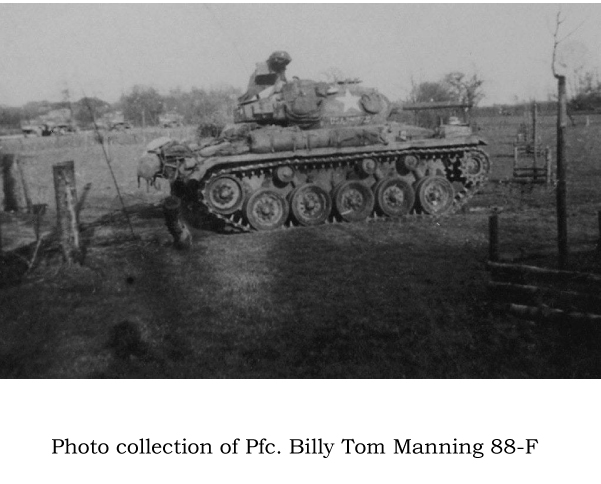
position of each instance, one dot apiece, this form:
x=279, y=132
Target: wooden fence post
x=1, y=171
x=599, y=223
x=493, y=237
x=562, y=225
x=66, y=214
x=14, y=194
x=548, y=173
x=25, y=186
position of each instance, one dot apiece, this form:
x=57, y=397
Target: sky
x=104, y=49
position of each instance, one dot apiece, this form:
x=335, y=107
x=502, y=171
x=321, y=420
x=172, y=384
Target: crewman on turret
x=268, y=78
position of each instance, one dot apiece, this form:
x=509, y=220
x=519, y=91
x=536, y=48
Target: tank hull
x=307, y=187
x=306, y=153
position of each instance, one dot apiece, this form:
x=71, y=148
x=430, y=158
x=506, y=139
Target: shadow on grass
x=369, y=305
x=363, y=303
x=344, y=301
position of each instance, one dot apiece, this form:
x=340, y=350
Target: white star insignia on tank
x=350, y=101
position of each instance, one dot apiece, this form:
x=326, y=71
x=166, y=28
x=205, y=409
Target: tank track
x=455, y=172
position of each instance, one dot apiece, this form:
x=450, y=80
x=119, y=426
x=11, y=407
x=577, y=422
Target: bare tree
x=465, y=89
x=562, y=62
x=333, y=75
x=560, y=68
x=142, y=105
x=429, y=92
x=564, y=59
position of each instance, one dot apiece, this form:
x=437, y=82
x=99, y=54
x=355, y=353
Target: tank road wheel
x=394, y=196
x=474, y=166
x=224, y=195
x=435, y=195
x=354, y=201
x=310, y=204
x=266, y=210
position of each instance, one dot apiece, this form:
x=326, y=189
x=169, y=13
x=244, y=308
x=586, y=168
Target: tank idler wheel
x=224, y=195
x=354, y=201
x=435, y=195
x=394, y=196
x=474, y=166
x=266, y=209
x=310, y=204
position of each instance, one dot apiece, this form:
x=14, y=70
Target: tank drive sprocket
x=474, y=166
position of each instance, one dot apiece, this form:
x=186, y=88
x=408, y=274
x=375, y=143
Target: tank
x=305, y=153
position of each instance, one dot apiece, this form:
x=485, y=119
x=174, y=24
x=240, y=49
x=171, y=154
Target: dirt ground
x=396, y=299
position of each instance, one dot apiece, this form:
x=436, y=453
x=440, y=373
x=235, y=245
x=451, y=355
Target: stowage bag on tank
x=270, y=140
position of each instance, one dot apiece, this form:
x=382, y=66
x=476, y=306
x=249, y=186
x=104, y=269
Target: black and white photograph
x=300, y=191
x=266, y=243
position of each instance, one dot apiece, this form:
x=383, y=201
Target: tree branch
x=556, y=40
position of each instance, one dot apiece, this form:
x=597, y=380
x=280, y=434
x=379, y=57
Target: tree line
x=455, y=87
x=587, y=93
x=144, y=105
x=141, y=106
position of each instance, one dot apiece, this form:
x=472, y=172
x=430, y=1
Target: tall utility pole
x=534, y=130
x=562, y=114
x=562, y=226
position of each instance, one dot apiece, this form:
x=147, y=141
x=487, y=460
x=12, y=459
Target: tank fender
x=201, y=168
x=156, y=144
x=477, y=140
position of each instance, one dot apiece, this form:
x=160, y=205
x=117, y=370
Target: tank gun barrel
x=423, y=106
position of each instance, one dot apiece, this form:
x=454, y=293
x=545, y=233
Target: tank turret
x=270, y=99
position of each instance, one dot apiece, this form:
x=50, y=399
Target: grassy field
x=124, y=148
x=393, y=300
